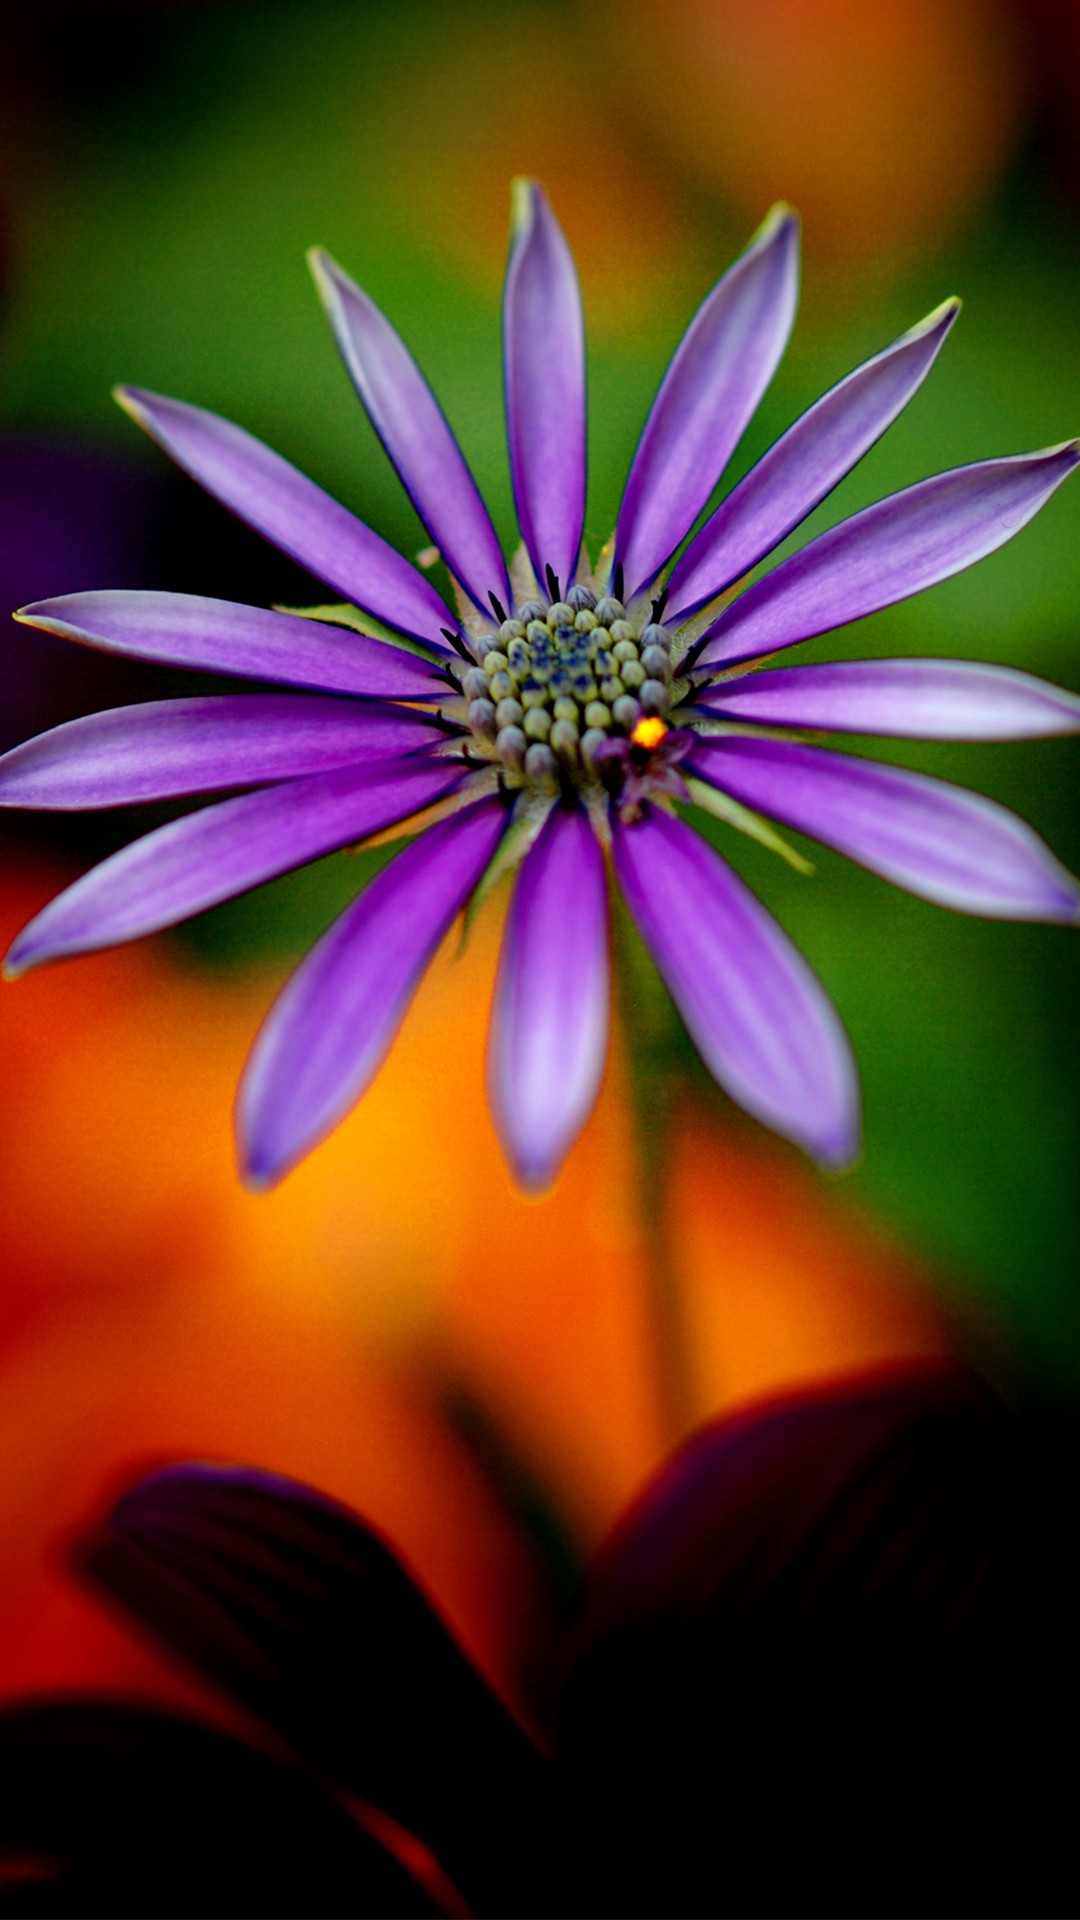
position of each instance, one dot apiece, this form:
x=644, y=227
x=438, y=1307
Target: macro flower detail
x=559, y=720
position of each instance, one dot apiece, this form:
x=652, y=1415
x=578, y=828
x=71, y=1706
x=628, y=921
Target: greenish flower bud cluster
x=558, y=680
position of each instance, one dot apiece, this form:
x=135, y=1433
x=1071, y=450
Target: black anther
x=552, y=579
x=458, y=644
x=500, y=610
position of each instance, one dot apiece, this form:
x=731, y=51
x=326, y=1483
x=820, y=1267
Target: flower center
x=649, y=733
x=561, y=680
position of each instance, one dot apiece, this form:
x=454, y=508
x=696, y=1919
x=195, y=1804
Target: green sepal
x=524, y=584
x=686, y=633
x=530, y=813
x=604, y=562
x=722, y=807
x=344, y=615
x=709, y=725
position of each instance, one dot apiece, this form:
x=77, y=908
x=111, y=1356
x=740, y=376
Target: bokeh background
x=477, y=1372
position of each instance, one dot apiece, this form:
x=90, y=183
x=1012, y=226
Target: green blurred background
x=166, y=166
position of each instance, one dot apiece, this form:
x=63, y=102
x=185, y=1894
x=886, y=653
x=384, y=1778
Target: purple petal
x=908, y=699
x=805, y=464
x=291, y=511
x=890, y=551
x=328, y=1032
x=544, y=357
x=951, y=846
x=221, y=636
x=293, y=1607
x=412, y=427
x=758, y=1016
x=550, y=1019
x=193, y=863
x=163, y=748
x=721, y=368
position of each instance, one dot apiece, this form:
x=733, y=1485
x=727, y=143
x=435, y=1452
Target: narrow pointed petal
x=721, y=368
x=194, y=863
x=412, y=427
x=328, y=1032
x=544, y=359
x=550, y=1020
x=905, y=699
x=805, y=464
x=758, y=1016
x=296, y=1609
x=937, y=840
x=160, y=749
x=292, y=512
x=889, y=551
x=221, y=636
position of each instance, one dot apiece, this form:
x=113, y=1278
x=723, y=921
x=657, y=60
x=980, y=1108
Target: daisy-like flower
x=565, y=713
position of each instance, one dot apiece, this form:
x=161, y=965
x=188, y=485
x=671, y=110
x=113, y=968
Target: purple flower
x=818, y=1669
x=566, y=712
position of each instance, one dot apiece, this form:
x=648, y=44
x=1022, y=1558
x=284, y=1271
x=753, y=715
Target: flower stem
x=647, y=1022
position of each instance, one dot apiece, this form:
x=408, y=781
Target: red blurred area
x=153, y=1309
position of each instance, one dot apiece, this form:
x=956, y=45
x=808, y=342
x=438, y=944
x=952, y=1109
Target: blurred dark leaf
x=822, y=1665
x=296, y=1609
x=123, y=1811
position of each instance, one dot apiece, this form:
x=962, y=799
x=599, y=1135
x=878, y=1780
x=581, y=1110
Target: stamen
x=552, y=580
x=656, y=663
x=541, y=764
x=500, y=610
x=617, y=582
x=568, y=690
x=510, y=745
x=564, y=736
x=649, y=732
x=609, y=609
x=482, y=718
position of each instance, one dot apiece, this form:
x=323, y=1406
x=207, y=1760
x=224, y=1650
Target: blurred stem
x=647, y=1022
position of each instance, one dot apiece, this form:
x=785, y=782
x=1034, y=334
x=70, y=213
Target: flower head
x=567, y=711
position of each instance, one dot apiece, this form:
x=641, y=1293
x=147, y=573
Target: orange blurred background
x=153, y=1309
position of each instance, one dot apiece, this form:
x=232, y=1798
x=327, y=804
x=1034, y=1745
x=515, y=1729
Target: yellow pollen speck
x=649, y=732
